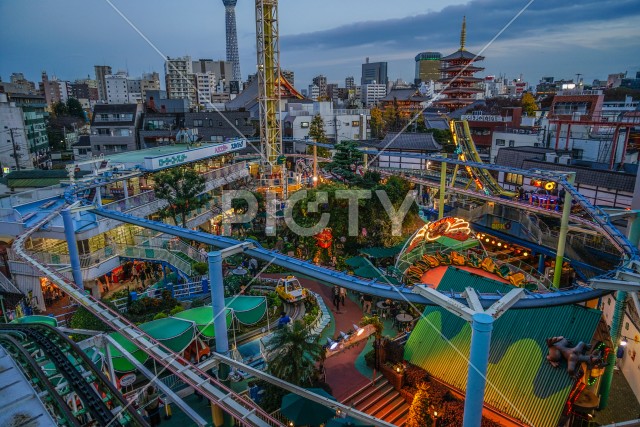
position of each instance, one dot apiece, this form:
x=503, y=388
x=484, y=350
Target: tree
x=180, y=187
x=376, y=122
x=419, y=413
x=74, y=108
x=529, y=105
x=316, y=129
x=293, y=353
x=60, y=109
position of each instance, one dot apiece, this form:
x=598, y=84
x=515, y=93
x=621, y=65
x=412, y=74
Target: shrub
x=200, y=268
x=160, y=315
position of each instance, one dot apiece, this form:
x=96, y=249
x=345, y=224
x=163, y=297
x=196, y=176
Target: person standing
x=336, y=297
x=151, y=404
x=366, y=305
x=343, y=295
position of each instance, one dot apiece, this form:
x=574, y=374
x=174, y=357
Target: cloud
x=484, y=19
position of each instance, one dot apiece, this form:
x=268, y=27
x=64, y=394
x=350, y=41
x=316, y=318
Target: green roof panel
x=520, y=382
x=457, y=280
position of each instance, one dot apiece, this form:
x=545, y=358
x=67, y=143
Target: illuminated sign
x=547, y=185
x=483, y=118
x=454, y=228
x=206, y=151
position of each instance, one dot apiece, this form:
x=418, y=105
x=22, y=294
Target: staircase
x=381, y=400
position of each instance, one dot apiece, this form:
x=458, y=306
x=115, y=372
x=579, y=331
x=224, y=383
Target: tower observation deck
x=232, y=37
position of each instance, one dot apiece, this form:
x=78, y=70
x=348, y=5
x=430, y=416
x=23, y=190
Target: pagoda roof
x=462, y=79
x=461, y=90
x=460, y=67
x=462, y=54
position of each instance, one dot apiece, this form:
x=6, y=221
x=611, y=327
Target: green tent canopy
x=368, y=271
x=356, y=261
x=51, y=321
x=176, y=334
x=457, y=245
x=121, y=363
x=249, y=310
x=380, y=252
x=203, y=318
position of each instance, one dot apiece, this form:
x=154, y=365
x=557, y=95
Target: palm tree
x=293, y=353
x=181, y=188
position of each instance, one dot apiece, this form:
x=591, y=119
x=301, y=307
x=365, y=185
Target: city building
x=339, y=124
x=113, y=128
x=179, y=79
x=412, y=143
x=494, y=86
x=204, y=126
x=24, y=143
x=349, y=82
x=458, y=70
x=372, y=93
x=321, y=82
x=427, y=67
x=222, y=70
x=205, y=87
x=18, y=84
x=117, y=88
x=374, y=72
x=408, y=101
x=101, y=72
x=289, y=75
x=54, y=90
x=313, y=92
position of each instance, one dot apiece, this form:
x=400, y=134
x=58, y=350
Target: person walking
x=336, y=298
x=343, y=295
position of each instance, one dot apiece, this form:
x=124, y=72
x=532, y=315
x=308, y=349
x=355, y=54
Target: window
x=577, y=153
x=103, y=131
x=304, y=124
x=500, y=142
x=355, y=123
x=512, y=143
x=513, y=178
x=220, y=123
x=197, y=123
x=210, y=123
x=124, y=132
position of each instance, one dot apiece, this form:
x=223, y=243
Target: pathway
x=342, y=375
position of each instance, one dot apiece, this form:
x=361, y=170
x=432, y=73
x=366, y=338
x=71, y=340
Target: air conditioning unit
x=564, y=160
x=551, y=157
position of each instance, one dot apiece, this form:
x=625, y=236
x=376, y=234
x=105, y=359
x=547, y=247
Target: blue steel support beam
x=217, y=302
x=380, y=289
x=481, y=327
x=74, y=255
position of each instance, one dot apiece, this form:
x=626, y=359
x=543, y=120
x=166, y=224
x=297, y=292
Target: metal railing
x=7, y=285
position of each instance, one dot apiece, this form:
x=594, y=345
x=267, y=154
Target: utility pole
x=15, y=151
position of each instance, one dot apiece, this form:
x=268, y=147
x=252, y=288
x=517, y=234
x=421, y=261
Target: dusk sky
x=331, y=37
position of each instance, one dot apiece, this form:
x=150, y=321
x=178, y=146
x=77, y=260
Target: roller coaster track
x=81, y=377
x=58, y=408
x=323, y=274
x=244, y=410
x=463, y=139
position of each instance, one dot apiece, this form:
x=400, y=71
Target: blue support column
x=74, y=255
x=217, y=302
x=481, y=327
x=541, y=263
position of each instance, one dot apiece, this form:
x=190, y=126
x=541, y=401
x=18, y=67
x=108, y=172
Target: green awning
x=356, y=261
x=457, y=245
x=121, y=363
x=368, y=271
x=380, y=252
x=203, y=318
x=249, y=310
x=456, y=280
x=51, y=321
x=176, y=334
